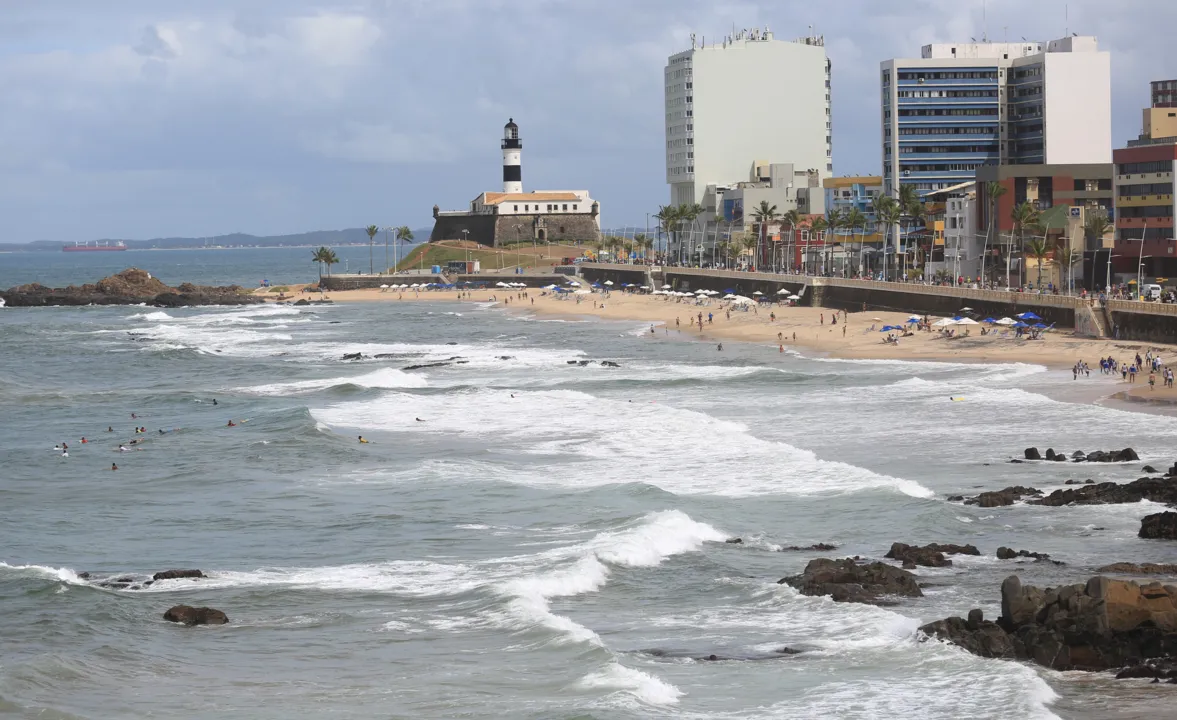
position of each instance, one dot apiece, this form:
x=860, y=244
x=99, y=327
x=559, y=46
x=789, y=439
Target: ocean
x=522, y=537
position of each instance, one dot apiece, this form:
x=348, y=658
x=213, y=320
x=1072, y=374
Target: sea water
x=523, y=537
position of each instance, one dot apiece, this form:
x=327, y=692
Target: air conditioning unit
x=921, y=81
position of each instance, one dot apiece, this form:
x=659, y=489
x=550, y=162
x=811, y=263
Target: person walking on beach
x=822, y=321
x=1152, y=381
x=1124, y=373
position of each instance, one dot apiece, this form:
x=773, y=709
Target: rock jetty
x=129, y=287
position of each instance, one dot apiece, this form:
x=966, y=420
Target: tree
x=817, y=226
x=793, y=219
x=371, y=230
x=1022, y=214
x=690, y=212
x=885, y=208
x=668, y=217
x=319, y=257
x=403, y=234
x=993, y=191
x=765, y=213
x=1038, y=250
x=1066, y=259
x=835, y=220
x=855, y=220
x=749, y=244
x=1095, y=226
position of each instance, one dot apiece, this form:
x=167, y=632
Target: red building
x=1145, y=209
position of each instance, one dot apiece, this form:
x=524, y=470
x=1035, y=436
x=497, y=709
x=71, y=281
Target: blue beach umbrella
x=991, y=321
x=1028, y=316
x=1019, y=325
x=1040, y=326
x=912, y=320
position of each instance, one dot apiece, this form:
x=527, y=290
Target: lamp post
x=1140, y=262
x=466, y=246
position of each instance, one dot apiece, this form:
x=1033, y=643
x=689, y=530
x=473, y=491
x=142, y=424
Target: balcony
x=948, y=101
x=962, y=82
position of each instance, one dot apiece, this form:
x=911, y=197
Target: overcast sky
x=148, y=118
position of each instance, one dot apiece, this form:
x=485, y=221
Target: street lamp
x=1140, y=265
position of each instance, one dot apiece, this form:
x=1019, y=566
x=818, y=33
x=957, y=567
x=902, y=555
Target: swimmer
x=109, y=429
x=420, y=420
x=123, y=448
x=83, y=440
x=114, y=466
x=512, y=396
x=64, y=453
x=362, y=440
x=231, y=424
x=134, y=416
x=214, y=401
x=719, y=347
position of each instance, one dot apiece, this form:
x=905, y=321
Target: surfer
x=420, y=420
x=719, y=347
x=362, y=440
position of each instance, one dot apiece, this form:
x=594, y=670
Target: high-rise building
x=749, y=100
x=960, y=106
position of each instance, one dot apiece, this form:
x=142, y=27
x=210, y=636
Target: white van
x=1151, y=292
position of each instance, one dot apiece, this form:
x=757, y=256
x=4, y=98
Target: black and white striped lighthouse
x=512, y=162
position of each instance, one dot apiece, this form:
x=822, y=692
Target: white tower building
x=512, y=158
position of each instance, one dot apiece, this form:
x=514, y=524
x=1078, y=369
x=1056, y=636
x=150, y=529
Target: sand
x=811, y=330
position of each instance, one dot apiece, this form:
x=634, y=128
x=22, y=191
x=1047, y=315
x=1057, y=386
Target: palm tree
x=1038, y=249
x=765, y=213
x=690, y=212
x=749, y=244
x=835, y=220
x=667, y=216
x=320, y=256
x=881, y=204
x=855, y=220
x=888, y=213
x=1022, y=214
x=793, y=219
x=371, y=230
x=403, y=234
x=1066, y=258
x=993, y=190
x=817, y=226
x=1096, y=226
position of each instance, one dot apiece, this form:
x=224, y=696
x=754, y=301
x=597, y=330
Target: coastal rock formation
x=1159, y=526
x=816, y=546
x=1157, y=489
x=929, y=556
x=1100, y=625
x=1158, y=670
x=1139, y=569
x=1032, y=453
x=190, y=616
x=1125, y=455
x=176, y=574
x=129, y=287
x=1004, y=553
x=998, y=498
x=847, y=580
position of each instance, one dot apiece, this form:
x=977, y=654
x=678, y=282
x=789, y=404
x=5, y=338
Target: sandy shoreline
x=811, y=330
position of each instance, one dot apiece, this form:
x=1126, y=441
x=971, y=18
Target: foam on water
x=382, y=378
x=157, y=315
x=627, y=442
x=641, y=685
x=63, y=574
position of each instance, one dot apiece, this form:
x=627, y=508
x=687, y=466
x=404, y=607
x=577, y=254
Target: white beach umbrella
x=583, y=292
x=782, y=291
x=644, y=287
x=573, y=283
x=608, y=282
x=1005, y=321
x=794, y=297
x=700, y=292
x=498, y=284
x=383, y=287
x=757, y=293
x=944, y=322
x=665, y=287
x=966, y=321
x=414, y=285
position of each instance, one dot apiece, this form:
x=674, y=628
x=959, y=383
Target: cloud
x=166, y=117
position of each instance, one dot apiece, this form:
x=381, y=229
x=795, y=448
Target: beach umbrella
x=782, y=291
x=991, y=321
x=729, y=290
x=608, y=282
x=1028, y=316
x=757, y=293
x=383, y=287
x=943, y=322
x=1039, y=326
x=912, y=320
x=573, y=283
x=665, y=287
x=958, y=318
x=1006, y=321
x=584, y=292
x=966, y=309
x=877, y=319
x=498, y=284
x=794, y=297
x=966, y=321
x=644, y=287
x=700, y=292
x=1019, y=324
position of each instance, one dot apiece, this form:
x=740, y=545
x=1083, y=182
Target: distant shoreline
x=203, y=247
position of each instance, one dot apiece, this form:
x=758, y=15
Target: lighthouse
x=512, y=164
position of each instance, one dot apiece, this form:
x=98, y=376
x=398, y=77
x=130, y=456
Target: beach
x=812, y=331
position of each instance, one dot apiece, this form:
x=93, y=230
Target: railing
x=1137, y=306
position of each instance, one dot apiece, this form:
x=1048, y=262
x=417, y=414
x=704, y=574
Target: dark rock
x=976, y=617
x=1059, y=458
x=1078, y=454
x=83, y=576
x=1148, y=469
x=1049, y=454
x=816, y=546
x=506, y=357
x=1139, y=569
x=848, y=581
x=129, y=287
x=195, y=616
x=1128, y=455
x=1157, y=489
x=734, y=541
x=956, y=498
x=930, y=555
x=1019, y=462
x=1071, y=482
x=426, y=365
x=609, y=363
x=303, y=301
x=1159, y=526
x=174, y=574
x=1155, y=669
x=1103, y=624
x=999, y=498
x=353, y=356
x=1033, y=454
x=1004, y=553
x=1088, y=481
x=1125, y=455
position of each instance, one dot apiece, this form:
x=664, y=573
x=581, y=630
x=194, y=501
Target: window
x=573, y=208
x=1145, y=167
x=526, y=209
x=516, y=208
x=549, y=208
x=561, y=229
x=565, y=208
x=1145, y=189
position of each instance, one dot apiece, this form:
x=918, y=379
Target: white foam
x=639, y=684
x=412, y=578
x=382, y=378
x=63, y=574
x=627, y=441
x=157, y=315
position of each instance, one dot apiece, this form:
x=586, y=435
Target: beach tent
x=757, y=293
x=498, y=284
x=729, y=296
x=548, y=287
x=700, y=292
x=1028, y=316
x=1005, y=321
x=741, y=300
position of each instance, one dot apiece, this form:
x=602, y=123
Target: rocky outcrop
x=1139, y=569
x=848, y=580
x=1100, y=625
x=999, y=498
x=1156, y=489
x=1159, y=526
x=176, y=574
x=129, y=287
x=929, y=556
x=1032, y=453
x=189, y=615
x=822, y=547
x=1125, y=455
x=1157, y=670
x=1004, y=553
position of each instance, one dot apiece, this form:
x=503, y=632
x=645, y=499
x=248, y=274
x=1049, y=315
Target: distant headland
x=315, y=238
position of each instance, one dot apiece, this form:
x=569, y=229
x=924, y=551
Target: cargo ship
x=86, y=247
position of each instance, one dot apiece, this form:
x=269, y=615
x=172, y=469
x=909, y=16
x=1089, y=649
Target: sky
x=154, y=118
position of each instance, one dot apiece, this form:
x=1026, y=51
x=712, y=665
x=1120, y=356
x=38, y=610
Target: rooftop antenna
x=984, y=21
x=1066, y=20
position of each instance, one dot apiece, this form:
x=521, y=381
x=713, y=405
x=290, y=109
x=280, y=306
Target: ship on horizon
x=87, y=247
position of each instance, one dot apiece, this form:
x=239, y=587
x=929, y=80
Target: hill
x=349, y=236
